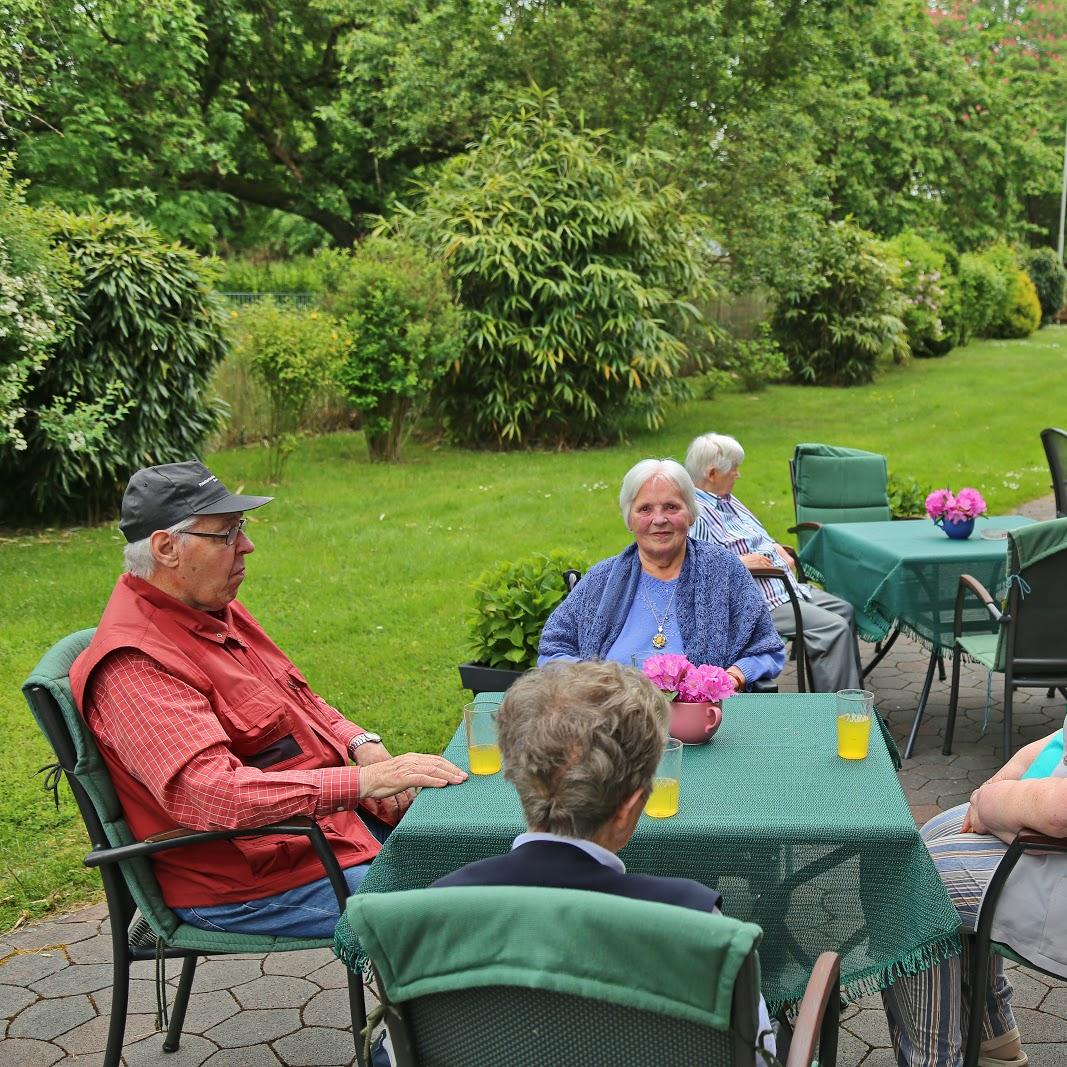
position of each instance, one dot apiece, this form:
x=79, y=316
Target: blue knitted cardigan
x=721, y=612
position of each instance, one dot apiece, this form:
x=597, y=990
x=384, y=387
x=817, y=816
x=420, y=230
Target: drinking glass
x=482, y=748
x=662, y=802
x=854, y=708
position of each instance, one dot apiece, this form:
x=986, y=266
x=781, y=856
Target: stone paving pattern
x=292, y=1008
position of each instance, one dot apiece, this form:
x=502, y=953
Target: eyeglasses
x=229, y=537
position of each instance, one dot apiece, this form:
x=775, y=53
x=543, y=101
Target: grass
x=362, y=572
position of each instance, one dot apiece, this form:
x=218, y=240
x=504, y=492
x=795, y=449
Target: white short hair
x=641, y=472
x=137, y=558
x=716, y=450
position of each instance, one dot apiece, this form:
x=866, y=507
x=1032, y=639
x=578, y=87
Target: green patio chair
x=142, y=926
x=528, y=976
x=832, y=483
x=1030, y=644
x=1055, y=444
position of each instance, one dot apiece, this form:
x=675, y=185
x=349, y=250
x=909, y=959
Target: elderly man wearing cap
x=205, y=724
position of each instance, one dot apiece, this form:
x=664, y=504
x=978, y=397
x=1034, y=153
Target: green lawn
x=362, y=572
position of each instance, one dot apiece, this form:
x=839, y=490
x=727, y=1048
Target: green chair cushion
x=982, y=648
x=669, y=960
x=837, y=484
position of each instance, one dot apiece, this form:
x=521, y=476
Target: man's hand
x=787, y=556
x=370, y=753
x=393, y=775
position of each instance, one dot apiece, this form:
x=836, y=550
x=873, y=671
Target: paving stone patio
x=291, y=1008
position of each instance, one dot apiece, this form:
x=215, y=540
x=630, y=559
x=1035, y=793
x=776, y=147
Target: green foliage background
x=363, y=571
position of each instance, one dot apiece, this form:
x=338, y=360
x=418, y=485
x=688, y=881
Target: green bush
x=754, y=363
x=34, y=279
x=403, y=328
x=512, y=603
x=928, y=288
x=1046, y=272
x=127, y=386
x=907, y=498
x=1022, y=310
x=300, y=274
x=576, y=268
x=846, y=315
x=294, y=353
x=983, y=291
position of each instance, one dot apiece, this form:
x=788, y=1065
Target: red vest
x=255, y=708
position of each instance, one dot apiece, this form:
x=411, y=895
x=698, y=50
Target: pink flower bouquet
x=689, y=682
x=966, y=504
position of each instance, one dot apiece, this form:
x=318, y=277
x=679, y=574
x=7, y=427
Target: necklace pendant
x=658, y=640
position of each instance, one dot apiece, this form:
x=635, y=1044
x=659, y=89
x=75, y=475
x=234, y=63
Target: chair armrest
x=970, y=584
x=298, y=825
x=804, y=526
x=818, y=1017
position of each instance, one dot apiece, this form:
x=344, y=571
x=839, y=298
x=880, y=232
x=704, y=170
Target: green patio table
x=822, y=852
x=906, y=574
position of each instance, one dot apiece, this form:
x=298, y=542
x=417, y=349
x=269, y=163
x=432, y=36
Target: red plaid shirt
x=168, y=737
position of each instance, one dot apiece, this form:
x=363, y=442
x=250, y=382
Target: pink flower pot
x=695, y=724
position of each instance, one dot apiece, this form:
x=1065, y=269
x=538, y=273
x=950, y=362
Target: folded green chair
x=1030, y=645
x=526, y=976
x=832, y=483
x=142, y=926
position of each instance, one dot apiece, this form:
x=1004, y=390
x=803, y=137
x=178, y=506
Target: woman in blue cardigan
x=666, y=592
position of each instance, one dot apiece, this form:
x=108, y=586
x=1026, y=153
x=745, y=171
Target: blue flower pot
x=959, y=531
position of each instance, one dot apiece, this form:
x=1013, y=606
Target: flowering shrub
x=942, y=505
x=691, y=683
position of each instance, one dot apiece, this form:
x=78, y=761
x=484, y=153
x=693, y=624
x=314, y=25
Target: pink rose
x=970, y=501
x=666, y=671
x=706, y=682
x=937, y=502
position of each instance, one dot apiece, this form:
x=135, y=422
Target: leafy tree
x=126, y=387
x=576, y=268
x=836, y=329
x=33, y=315
x=404, y=329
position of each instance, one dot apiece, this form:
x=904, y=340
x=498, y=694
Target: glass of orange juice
x=854, y=709
x=482, y=747
x=662, y=802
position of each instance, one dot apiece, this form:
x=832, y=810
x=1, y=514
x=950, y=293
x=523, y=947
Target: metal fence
x=302, y=300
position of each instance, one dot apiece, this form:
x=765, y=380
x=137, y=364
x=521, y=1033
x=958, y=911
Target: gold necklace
x=659, y=638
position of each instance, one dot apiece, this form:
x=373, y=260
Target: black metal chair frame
x=805, y=681
x=132, y=941
x=1024, y=841
x=1035, y=674
x=1055, y=444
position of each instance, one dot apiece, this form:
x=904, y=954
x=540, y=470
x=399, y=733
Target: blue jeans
x=304, y=911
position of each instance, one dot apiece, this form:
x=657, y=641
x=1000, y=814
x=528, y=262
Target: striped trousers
x=928, y=1012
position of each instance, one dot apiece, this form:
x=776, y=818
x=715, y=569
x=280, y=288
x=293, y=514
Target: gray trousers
x=829, y=640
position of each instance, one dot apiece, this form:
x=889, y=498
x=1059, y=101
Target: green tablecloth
x=907, y=574
x=821, y=852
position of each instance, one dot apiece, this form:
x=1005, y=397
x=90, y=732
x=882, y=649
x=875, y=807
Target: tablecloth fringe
x=914, y=962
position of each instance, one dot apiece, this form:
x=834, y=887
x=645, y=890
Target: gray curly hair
x=577, y=739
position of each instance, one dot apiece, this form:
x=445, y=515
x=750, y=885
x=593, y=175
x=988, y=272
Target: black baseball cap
x=160, y=497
